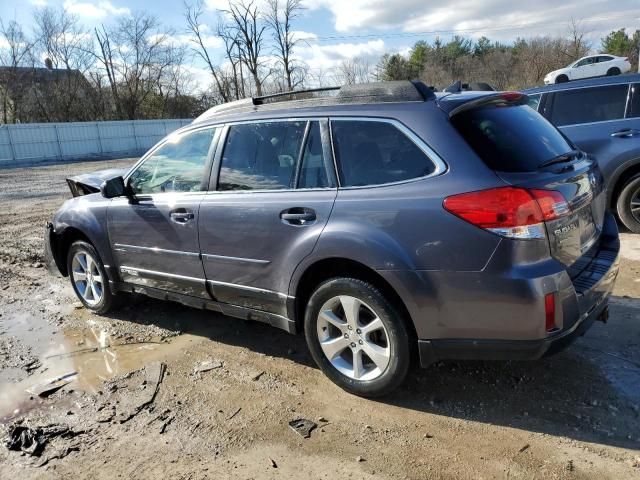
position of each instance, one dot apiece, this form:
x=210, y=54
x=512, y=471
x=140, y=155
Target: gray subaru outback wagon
x=379, y=220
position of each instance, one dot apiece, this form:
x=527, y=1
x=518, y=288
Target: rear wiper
x=562, y=158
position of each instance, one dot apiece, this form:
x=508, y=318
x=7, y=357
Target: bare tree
x=279, y=17
x=247, y=23
x=68, y=50
x=352, y=71
x=135, y=55
x=578, y=45
x=14, y=56
x=193, y=15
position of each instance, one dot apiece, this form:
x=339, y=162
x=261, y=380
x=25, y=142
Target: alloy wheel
x=87, y=278
x=635, y=205
x=353, y=338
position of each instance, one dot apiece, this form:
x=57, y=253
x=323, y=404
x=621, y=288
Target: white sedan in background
x=591, y=66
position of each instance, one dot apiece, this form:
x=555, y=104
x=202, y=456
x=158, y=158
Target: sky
x=336, y=30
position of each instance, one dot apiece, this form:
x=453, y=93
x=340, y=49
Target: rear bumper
x=580, y=302
x=432, y=351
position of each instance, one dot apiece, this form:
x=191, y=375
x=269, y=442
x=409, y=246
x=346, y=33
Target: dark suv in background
x=381, y=220
x=602, y=117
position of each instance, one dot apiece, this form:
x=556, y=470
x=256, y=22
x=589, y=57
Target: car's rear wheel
x=88, y=277
x=357, y=337
x=562, y=79
x=628, y=204
x=613, y=71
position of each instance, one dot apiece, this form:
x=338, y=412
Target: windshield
x=511, y=139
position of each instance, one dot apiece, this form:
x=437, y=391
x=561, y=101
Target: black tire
x=396, y=334
x=562, y=79
x=613, y=71
x=107, y=301
x=630, y=192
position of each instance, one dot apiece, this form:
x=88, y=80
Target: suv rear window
x=510, y=139
x=587, y=105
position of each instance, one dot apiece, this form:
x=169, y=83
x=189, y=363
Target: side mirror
x=114, y=187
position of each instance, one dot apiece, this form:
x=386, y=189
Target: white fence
x=26, y=144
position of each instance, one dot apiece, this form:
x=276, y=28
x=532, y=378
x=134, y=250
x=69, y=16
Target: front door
x=154, y=232
x=585, y=68
x=274, y=194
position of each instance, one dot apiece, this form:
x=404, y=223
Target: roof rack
x=292, y=93
x=365, y=93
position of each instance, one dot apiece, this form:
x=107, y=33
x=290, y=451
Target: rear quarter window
x=370, y=152
x=510, y=139
x=589, y=105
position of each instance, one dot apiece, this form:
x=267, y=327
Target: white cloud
x=217, y=4
x=304, y=36
x=201, y=78
x=323, y=58
x=497, y=19
x=92, y=9
x=38, y=3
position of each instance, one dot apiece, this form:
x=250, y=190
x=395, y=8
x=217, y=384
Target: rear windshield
x=510, y=139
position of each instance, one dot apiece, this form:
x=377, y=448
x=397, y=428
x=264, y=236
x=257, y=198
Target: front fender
x=83, y=216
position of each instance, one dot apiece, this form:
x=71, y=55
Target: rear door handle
x=181, y=215
x=627, y=133
x=298, y=216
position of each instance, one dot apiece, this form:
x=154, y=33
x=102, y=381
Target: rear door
x=272, y=198
x=594, y=119
x=604, y=64
x=154, y=233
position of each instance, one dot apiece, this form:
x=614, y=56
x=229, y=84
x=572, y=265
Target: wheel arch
x=620, y=178
x=332, y=267
x=60, y=244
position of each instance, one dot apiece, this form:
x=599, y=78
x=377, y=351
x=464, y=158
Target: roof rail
x=292, y=93
x=364, y=93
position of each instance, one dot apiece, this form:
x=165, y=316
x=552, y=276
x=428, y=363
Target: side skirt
x=235, y=311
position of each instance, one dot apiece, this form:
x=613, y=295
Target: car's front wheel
x=357, y=337
x=562, y=79
x=88, y=277
x=628, y=204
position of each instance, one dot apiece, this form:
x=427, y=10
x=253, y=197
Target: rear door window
x=510, y=139
x=261, y=156
x=370, y=152
x=589, y=105
x=313, y=173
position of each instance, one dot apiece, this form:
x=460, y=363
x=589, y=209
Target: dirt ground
x=572, y=416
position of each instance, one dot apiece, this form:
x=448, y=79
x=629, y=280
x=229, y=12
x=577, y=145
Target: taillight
x=550, y=312
x=509, y=211
x=552, y=204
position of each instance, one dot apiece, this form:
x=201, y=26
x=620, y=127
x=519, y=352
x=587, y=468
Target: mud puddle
x=78, y=358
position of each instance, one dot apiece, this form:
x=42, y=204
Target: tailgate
x=573, y=238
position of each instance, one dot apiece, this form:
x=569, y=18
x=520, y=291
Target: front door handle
x=181, y=215
x=627, y=133
x=298, y=216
